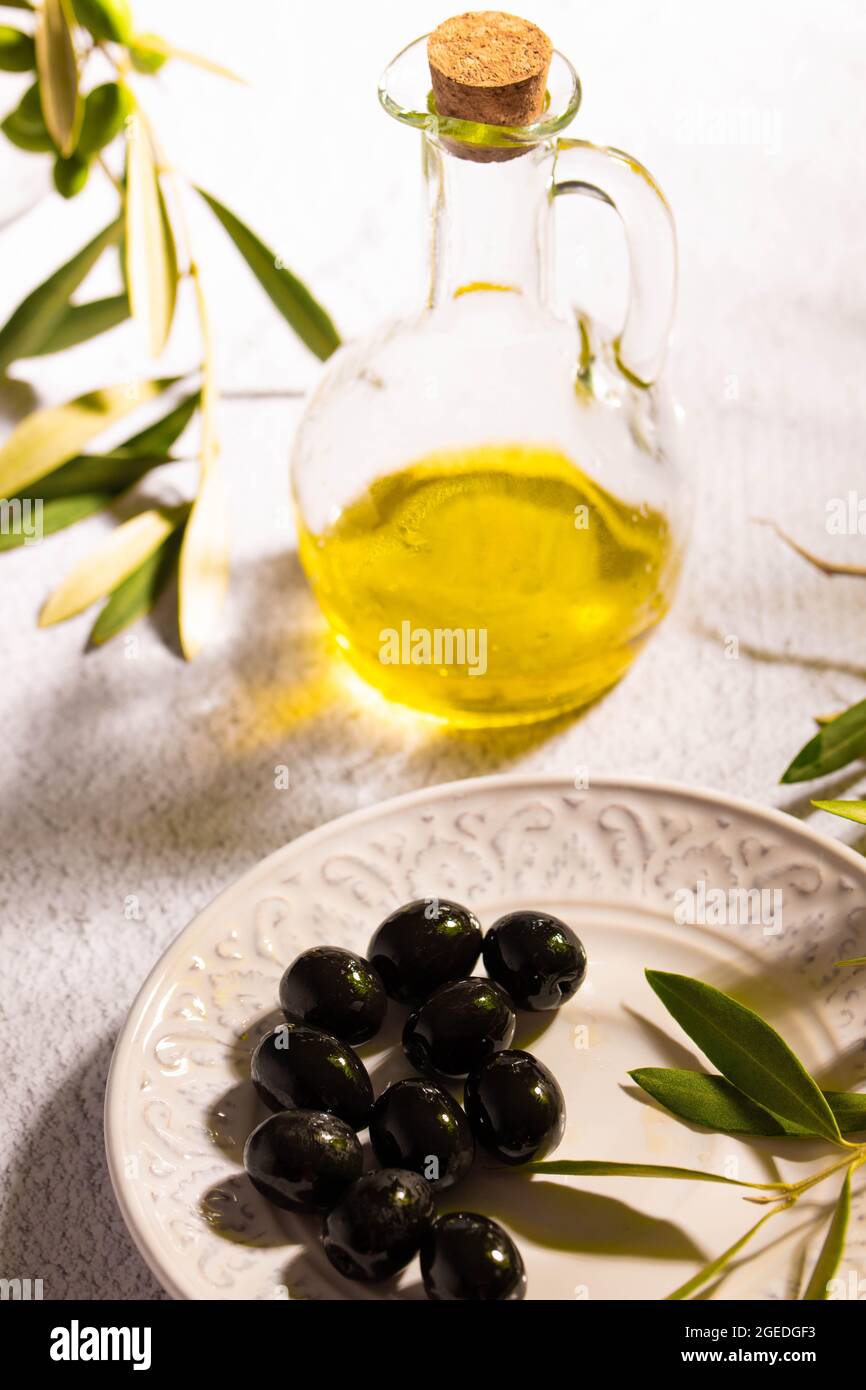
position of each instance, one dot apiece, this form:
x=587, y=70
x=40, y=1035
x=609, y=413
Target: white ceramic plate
x=609, y=860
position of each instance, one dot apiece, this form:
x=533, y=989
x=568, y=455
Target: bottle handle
x=629, y=188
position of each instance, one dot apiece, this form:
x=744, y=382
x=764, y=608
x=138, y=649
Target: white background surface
x=131, y=779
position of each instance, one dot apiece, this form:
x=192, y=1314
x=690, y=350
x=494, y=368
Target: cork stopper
x=491, y=68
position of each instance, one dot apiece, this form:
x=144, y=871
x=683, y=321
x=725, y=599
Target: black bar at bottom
x=253, y=1340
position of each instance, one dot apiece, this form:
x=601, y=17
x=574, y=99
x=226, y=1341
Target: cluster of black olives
x=307, y=1157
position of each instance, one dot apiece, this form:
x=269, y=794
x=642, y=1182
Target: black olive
x=301, y=1068
x=335, y=990
x=303, y=1160
x=458, y=1026
x=423, y=945
x=378, y=1226
x=515, y=1107
x=537, y=958
x=470, y=1257
x=418, y=1126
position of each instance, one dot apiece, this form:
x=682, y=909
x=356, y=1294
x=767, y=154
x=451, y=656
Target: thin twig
x=262, y=395
x=825, y=566
x=108, y=174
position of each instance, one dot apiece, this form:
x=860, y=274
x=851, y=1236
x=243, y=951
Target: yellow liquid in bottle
x=496, y=585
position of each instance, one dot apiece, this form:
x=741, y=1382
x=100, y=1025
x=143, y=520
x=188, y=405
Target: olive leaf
x=106, y=109
x=834, y=1244
x=25, y=125
x=163, y=434
x=78, y=490
x=125, y=465
x=17, y=50
x=119, y=556
x=715, y=1266
x=58, y=514
x=592, y=1168
x=40, y=316
x=850, y=810
x=50, y=437
x=110, y=20
x=855, y=960
x=91, y=482
x=835, y=745
x=712, y=1101
x=112, y=473
x=151, y=254
x=137, y=595
x=150, y=52
x=747, y=1050
x=57, y=65
x=293, y=300
x=81, y=322
x=204, y=563
x=71, y=175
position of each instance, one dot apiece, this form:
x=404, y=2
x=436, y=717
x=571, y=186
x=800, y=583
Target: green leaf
x=833, y=1247
x=591, y=1168
x=92, y=481
x=715, y=1266
x=17, y=50
x=60, y=513
x=125, y=466
x=25, y=126
x=71, y=175
x=160, y=437
x=151, y=254
x=89, y=483
x=114, y=473
x=851, y=810
x=714, y=1102
x=849, y=1107
x=105, y=111
x=38, y=317
x=747, y=1051
x=81, y=322
x=138, y=594
x=149, y=53
x=293, y=300
x=57, y=65
x=110, y=20
x=124, y=551
x=835, y=745
x=50, y=437
x=854, y=960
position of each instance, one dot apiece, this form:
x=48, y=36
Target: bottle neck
x=490, y=223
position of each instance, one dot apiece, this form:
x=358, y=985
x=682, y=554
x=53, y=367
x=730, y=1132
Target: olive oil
x=493, y=585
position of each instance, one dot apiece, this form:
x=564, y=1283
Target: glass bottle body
x=489, y=508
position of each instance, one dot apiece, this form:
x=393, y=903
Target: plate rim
x=112, y=1110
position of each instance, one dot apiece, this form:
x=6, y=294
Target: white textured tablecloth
x=135, y=787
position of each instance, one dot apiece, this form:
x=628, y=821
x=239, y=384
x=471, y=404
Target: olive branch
x=841, y=737
x=46, y=461
x=763, y=1090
